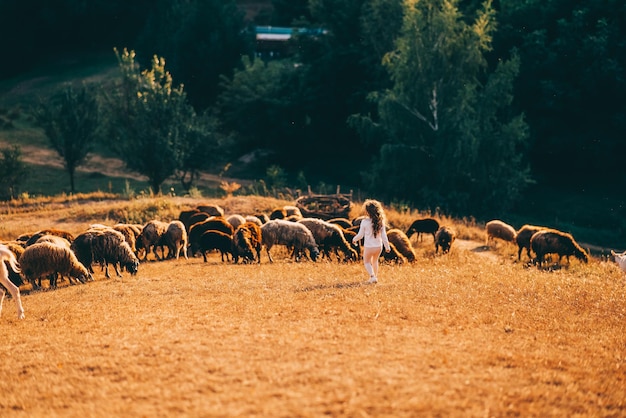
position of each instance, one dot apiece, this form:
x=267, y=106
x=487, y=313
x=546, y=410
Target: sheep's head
x=314, y=252
x=132, y=266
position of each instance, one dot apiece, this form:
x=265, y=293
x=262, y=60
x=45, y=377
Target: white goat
x=8, y=256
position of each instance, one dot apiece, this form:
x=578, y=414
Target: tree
x=12, y=172
x=152, y=127
x=202, y=40
x=444, y=129
x=71, y=121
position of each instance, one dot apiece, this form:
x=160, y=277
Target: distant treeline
x=535, y=85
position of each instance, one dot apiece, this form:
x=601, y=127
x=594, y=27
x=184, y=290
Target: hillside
x=472, y=333
x=597, y=217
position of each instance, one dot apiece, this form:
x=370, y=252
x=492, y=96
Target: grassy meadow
x=473, y=333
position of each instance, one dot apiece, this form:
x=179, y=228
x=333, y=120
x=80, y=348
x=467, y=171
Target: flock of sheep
x=52, y=254
x=541, y=240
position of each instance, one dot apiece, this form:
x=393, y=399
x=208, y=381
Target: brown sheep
x=215, y=240
x=402, y=243
x=329, y=237
x=151, y=237
x=551, y=241
x=217, y=223
x=247, y=242
x=423, y=226
x=523, y=236
x=213, y=210
x=105, y=246
x=394, y=255
x=130, y=233
x=175, y=239
x=278, y=213
x=57, y=232
x=501, y=230
x=342, y=222
x=444, y=238
x=197, y=218
x=185, y=215
x=8, y=258
x=45, y=259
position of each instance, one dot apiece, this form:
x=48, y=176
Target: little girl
x=372, y=228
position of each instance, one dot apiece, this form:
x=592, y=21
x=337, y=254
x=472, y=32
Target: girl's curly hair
x=376, y=213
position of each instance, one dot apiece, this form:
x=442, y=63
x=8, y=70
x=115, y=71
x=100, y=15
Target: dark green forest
x=467, y=106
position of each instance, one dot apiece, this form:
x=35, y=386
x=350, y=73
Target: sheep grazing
x=217, y=223
x=197, y=218
x=213, y=210
x=151, y=237
x=501, y=230
x=349, y=234
x=278, y=213
x=394, y=255
x=215, y=240
x=235, y=220
x=329, y=237
x=342, y=222
x=45, y=259
x=423, y=226
x=175, y=239
x=551, y=241
x=402, y=243
x=247, y=242
x=523, y=236
x=444, y=238
x=56, y=232
x=131, y=232
x=620, y=259
x=185, y=215
x=105, y=246
x=290, y=234
x=7, y=257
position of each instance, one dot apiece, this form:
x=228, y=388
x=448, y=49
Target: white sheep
x=293, y=235
x=175, y=239
x=620, y=259
x=501, y=230
x=6, y=255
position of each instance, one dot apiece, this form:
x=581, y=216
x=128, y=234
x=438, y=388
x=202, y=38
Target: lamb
x=217, y=223
x=551, y=241
x=151, y=236
x=215, y=240
x=175, y=239
x=247, y=241
x=105, y=246
x=213, y=210
x=7, y=256
x=329, y=237
x=501, y=230
x=444, y=238
x=402, y=243
x=45, y=258
x=291, y=234
x=523, y=236
x=423, y=226
x=620, y=259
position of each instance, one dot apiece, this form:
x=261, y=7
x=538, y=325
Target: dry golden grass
x=472, y=333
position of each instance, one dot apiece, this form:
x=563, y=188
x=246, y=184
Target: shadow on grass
x=333, y=286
